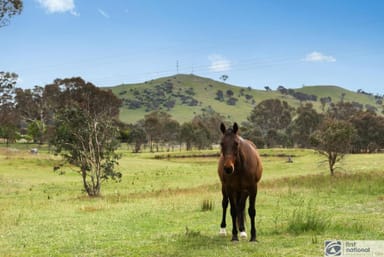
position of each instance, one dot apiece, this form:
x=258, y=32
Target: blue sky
x=256, y=43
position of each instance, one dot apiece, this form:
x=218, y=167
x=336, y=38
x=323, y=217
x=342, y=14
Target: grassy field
x=157, y=210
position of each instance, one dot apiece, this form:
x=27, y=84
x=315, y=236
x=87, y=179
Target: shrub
x=306, y=219
x=207, y=205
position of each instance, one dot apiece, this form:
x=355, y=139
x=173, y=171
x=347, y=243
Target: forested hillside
x=184, y=96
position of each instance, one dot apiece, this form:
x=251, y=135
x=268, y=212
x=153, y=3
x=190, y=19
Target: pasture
x=160, y=207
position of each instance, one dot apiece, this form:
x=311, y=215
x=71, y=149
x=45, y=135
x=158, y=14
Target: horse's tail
x=244, y=217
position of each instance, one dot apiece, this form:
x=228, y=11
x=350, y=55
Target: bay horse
x=240, y=169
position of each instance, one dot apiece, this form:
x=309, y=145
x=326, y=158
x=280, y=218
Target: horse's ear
x=235, y=128
x=222, y=128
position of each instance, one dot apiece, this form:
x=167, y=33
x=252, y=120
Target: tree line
x=30, y=114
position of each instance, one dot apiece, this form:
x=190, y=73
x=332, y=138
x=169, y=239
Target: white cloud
x=103, y=13
x=59, y=6
x=219, y=63
x=319, y=57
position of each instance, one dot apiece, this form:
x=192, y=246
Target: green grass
x=172, y=207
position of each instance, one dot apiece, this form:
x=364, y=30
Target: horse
x=239, y=169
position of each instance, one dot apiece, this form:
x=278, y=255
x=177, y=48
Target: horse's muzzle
x=228, y=170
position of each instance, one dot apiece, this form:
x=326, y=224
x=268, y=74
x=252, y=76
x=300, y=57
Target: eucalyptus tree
x=272, y=118
x=86, y=131
x=9, y=119
x=334, y=139
x=306, y=123
x=9, y=8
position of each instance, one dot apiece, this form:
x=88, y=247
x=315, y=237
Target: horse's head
x=229, y=147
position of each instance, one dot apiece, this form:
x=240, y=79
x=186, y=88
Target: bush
x=207, y=205
x=306, y=219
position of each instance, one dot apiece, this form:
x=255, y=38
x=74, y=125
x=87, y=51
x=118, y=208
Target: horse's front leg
x=224, y=204
x=232, y=201
x=252, y=213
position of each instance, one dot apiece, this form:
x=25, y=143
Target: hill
x=184, y=96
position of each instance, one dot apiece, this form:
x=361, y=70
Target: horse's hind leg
x=252, y=213
x=224, y=204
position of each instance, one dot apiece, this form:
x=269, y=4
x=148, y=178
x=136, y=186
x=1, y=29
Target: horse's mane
x=229, y=131
x=242, y=155
x=245, y=143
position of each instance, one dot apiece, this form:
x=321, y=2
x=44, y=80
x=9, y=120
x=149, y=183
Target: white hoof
x=223, y=232
x=243, y=234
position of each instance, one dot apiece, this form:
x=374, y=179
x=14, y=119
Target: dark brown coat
x=240, y=169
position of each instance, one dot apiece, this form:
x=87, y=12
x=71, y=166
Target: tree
x=252, y=133
x=219, y=95
x=171, y=132
x=229, y=92
x=201, y=137
x=203, y=130
x=209, y=120
x=277, y=138
x=9, y=8
x=33, y=108
x=154, y=124
x=224, y=77
x=343, y=110
x=9, y=120
x=305, y=124
x=36, y=130
x=333, y=140
x=282, y=90
x=324, y=101
x=370, y=132
x=186, y=134
x=85, y=131
x=136, y=136
x=271, y=114
x=232, y=101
